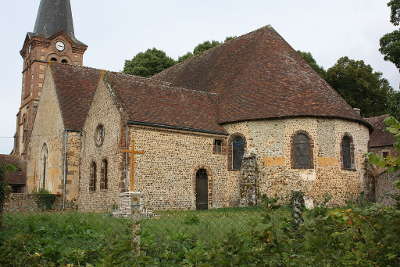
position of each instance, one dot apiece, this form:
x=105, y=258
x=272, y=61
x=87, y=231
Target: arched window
x=104, y=175
x=93, y=177
x=43, y=159
x=302, y=156
x=347, y=153
x=53, y=59
x=64, y=61
x=237, y=147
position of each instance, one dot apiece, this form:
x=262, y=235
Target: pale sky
x=116, y=30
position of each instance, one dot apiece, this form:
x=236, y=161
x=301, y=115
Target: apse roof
x=260, y=76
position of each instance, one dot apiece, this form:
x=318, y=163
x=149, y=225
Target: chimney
x=357, y=110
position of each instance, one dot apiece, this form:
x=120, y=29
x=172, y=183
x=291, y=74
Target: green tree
x=361, y=86
x=390, y=43
x=148, y=63
x=307, y=56
x=185, y=56
x=201, y=48
x=4, y=168
x=391, y=163
x=395, y=11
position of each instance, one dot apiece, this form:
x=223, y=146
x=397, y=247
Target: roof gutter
x=363, y=122
x=165, y=126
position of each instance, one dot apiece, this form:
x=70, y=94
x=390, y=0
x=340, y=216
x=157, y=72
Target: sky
x=119, y=29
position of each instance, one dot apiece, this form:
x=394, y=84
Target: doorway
x=201, y=190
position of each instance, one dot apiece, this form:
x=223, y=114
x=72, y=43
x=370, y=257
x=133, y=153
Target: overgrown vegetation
x=4, y=188
x=264, y=236
x=44, y=199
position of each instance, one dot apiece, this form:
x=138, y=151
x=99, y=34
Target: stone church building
x=246, y=118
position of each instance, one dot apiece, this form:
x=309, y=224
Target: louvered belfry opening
x=201, y=190
x=302, y=152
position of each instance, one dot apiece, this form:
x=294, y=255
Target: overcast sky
x=117, y=30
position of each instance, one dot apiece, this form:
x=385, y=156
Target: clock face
x=99, y=135
x=60, y=46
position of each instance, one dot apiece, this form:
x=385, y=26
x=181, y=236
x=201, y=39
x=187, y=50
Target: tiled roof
x=14, y=178
x=260, y=76
x=144, y=100
x=157, y=103
x=75, y=87
x=380, y=137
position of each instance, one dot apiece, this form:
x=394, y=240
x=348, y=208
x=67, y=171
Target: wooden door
x=201, y=190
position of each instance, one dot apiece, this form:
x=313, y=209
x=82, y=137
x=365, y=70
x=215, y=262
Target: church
x=246, y=118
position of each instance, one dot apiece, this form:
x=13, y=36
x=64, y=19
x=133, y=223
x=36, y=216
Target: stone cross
x=133, y=152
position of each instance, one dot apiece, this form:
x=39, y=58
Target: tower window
x=64, y=61
x=53, y=59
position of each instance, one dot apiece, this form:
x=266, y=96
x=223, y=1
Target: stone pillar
x=131, y=205
x=249, y=176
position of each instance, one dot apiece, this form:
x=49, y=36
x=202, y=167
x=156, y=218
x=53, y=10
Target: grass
x=53, y=239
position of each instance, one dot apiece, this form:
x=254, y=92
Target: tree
x=307, y=56
x=185, y=56
x=390, y=43
x=4, y=168
x=148, y=63
x=361, y=86
x=395, y=11
x=201, y=48
x=390, y=163
x=390, y=47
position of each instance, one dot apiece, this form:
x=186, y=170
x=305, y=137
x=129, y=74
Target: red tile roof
x=75, y=87
x=144, y=100
x=260, y=76
x=14, y=178
x=159, y=104
x=380, y=137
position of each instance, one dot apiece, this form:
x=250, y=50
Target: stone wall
x=47, y=132
x=102, y=112
x=27, y=203
x=166, y=173
x=271, y=142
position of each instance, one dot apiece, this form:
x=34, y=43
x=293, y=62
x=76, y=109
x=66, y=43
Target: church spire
x=54, y=16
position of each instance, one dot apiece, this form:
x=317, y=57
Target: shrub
x=44, y=199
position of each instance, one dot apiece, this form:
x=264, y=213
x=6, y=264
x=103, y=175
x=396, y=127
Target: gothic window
x=93, y=177
x=347, y=153
x=237, y=148
x=217, y=146
x=104, y=175
x=302, y=157
x=44, y=163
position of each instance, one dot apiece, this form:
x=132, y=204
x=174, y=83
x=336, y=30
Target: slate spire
x=54, y=16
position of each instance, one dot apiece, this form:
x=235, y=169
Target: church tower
x=52, y=39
